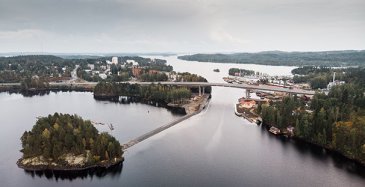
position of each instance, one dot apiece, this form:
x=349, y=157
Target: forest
x=59, y=134
x=319, y=77
x=154, y=92
x=335, y=120
x=48, y=67
x=243, y=72
x=280, y=58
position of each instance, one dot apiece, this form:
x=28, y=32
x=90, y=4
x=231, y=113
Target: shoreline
x=51, y=167
x=35, y=91
x=327, y=148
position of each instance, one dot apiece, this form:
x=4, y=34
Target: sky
x=182, y=26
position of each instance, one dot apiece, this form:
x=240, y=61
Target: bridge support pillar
x=200, y=91
x=203, y=90
x=247, y=93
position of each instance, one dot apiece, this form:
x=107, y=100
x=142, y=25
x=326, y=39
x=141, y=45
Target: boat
x=274, y=130
x=235, y=110
x=216, y=70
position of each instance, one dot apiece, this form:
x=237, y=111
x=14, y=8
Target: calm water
x=214, y=148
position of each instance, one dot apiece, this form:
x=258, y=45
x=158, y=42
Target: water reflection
x=113, y=172
x=328, y=156
x=29, y=93
x=41, y=92
x=317, y=152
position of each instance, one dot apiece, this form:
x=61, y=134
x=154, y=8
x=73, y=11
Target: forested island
x=240, y=72
x=67, y=142
x=280, y=58
x=335, y=120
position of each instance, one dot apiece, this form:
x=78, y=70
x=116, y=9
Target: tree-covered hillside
x=279, y=58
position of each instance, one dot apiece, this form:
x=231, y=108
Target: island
x=64, y=142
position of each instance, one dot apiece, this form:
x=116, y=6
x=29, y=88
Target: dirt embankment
x=192, y=105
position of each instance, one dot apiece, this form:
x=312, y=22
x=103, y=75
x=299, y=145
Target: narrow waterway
x=213, y=148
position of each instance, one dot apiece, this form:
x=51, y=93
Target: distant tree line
x=14, y=69
x=279, y=58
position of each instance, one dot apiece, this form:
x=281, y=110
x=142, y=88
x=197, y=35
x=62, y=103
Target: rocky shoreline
x=58, y=167
x=327, y=148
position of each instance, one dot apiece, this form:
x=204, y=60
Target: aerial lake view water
x=213, y=148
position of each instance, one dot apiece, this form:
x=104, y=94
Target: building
x=136, y=71
x=103, y=67
x=103, y=75
x=115, y=60
x=91, y=66
x=151, y=71
x=134, y=63
x=334, y=82
x=247, y=103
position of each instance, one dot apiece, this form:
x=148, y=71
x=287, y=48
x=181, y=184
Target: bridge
x=242, y=86
x=200, y=85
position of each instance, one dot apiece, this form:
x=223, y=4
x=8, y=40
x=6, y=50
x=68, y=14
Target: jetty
x=168, y=125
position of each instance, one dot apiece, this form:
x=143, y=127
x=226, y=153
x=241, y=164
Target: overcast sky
x=180, y=25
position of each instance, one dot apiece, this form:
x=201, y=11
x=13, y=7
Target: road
x=74, y=75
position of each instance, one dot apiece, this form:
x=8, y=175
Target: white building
x=91, y=66
x=115, y=60
x=103, y=67
x=103, y=75
x=334, y=82
x=134, y=63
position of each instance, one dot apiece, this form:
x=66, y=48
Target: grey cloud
x=181, y=25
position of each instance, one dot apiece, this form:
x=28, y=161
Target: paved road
x=74, y=74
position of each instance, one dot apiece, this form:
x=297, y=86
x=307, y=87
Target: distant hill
x=280, y=58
